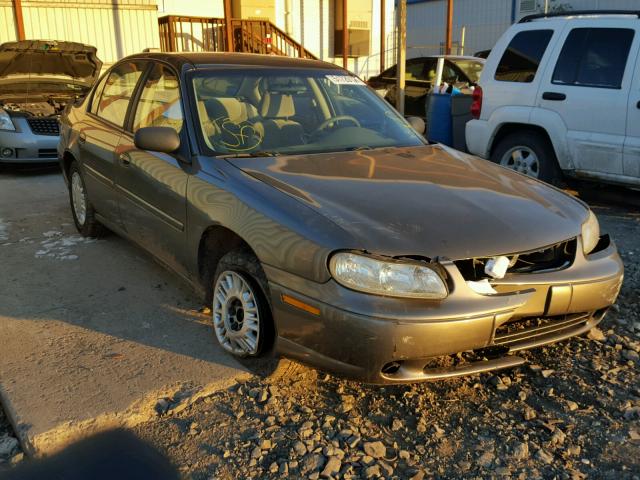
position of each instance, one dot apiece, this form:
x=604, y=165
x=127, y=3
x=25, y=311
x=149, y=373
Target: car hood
x=430, y=201
x=32, y=58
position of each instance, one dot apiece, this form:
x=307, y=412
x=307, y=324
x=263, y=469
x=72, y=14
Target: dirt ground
x=572, y=412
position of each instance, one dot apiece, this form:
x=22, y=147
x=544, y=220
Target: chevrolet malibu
x=321, y=227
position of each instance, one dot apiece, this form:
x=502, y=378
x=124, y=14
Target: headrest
x=277, y=105
x=227, y=108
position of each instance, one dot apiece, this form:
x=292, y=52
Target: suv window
x=118, y=91
x=594, y=57
x=521, y=59
x=159, y=104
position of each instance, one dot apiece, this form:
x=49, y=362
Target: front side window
x=294, y=111
x=594, y=57
x=159, y=104
x=521, y=59
x=118, y=91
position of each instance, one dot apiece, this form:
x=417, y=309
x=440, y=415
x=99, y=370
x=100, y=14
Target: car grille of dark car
x=44, y=126
x=47, y=153
x=552, y=258
x=528, y=329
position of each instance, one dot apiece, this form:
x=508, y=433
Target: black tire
x=548, y=170
x=245, y=264
x=90, y=227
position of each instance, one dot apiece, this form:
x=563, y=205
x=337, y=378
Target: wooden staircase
x=204, y=34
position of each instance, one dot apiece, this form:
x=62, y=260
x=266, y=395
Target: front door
x=153, y=185
x=589, y=89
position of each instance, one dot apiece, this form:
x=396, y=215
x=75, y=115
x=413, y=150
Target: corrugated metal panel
x=115, y=32
x=7, y=24
x=484, y=23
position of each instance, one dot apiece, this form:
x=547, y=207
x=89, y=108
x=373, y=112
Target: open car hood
x=33, y=58
x=429, y=201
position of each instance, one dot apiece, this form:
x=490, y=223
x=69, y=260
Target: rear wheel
x=82, y=210
x=530, y=153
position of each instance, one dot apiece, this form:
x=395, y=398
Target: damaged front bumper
x=389, y=340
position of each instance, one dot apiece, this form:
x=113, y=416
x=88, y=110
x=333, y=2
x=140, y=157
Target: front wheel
x=241, y=313
x=530, y=153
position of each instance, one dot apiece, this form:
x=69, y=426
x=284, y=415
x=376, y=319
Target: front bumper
x=27, y=147
x=388, y=340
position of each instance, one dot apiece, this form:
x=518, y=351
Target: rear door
x=631, y=154
x=588, y=86
x=152, y=184
x=100, y=132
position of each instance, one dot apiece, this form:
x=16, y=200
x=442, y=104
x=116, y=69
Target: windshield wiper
x=248, y=155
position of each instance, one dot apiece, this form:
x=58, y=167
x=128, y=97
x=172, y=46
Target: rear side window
x=118, y=91
x=594, y=57
x=521, y=59
x=95, y=100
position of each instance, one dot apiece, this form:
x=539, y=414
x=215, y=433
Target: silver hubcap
x=78, y=197
x=235, y=315
x=523, y=160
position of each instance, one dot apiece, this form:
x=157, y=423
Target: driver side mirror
x=157, y=139
x=417, y=124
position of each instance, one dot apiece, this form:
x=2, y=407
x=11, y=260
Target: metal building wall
x=484, y=21
x=116, y=27
x=7, y=22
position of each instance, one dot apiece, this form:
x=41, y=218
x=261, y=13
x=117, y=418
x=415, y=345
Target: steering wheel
x=332, y=120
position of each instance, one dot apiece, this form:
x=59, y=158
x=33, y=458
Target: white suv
x=560, y=93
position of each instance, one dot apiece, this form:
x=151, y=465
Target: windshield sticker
x=344, y=80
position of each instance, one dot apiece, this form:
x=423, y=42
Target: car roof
x=574, y=14
x=205, y=59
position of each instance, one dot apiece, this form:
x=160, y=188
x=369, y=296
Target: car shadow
x=50, y=276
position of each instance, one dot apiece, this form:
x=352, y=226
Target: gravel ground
x=572, y=412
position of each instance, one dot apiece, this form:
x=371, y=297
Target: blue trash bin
x=439, y=121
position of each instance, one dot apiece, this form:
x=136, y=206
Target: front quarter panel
x=280, y=229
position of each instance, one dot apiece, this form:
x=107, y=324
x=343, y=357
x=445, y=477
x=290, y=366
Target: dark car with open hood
x=319, y=226
x=38, y=79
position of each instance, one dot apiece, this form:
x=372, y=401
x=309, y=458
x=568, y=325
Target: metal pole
x=449, y=27
x=402, y=54
x=462, y=34
x=17, y=12
x=345, y=36
x=382, y=34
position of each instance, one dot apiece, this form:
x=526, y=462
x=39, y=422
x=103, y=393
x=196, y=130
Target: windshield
x=294, y=111
x=471, y=68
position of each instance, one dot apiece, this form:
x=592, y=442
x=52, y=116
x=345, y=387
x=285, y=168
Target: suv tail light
x=476, y=106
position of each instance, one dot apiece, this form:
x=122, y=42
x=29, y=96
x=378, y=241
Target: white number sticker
x=344, y=80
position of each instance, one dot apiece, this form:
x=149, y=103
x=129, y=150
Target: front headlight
x=5, y=121
x=590, y=233
x=387, y=277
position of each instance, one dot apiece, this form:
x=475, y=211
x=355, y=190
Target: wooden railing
x=203, y=34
